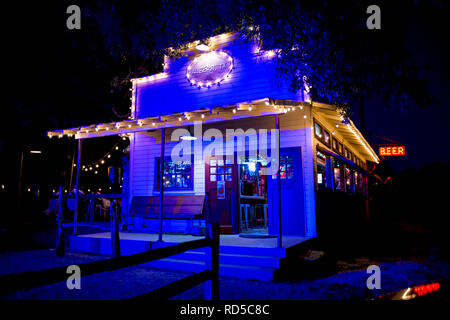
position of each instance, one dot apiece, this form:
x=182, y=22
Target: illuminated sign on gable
x=209, y=68
x=392, y=151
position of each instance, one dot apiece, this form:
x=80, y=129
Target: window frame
x=168, y=159
x=322, y=130
x=337, y=144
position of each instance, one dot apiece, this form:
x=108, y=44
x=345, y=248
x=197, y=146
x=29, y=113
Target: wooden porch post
x=77, y=188
x=115, y=237
x=60, y=232
x=277, y=127
x=212, y=261
x=161, y=185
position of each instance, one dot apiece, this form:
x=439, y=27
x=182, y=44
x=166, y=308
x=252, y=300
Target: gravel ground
x=129, y=282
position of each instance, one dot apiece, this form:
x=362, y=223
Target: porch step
x=229, y=270
x=232, y=259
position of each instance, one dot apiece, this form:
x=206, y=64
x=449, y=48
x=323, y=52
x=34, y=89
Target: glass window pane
x=220, y=162
x=326, y=136
x=186, y=181
x=228, y=169
x=220, y=170
x=220, y=177
x=212, y=177
x=318, y=130
x=228, y=161
x=178, y=182
x=183, y=166
x=212, y=170
x=213, y=162
x=228, y=177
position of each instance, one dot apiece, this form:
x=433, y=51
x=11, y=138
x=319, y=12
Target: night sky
x=38, y=48
x=424, y=131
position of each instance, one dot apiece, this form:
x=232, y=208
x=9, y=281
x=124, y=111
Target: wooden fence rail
x=31, y=279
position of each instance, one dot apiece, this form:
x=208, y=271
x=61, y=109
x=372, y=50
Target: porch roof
x=254, y=108
x=346, y=128
x=249, y=108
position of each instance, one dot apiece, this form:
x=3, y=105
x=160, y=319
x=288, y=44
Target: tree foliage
x=323, y=42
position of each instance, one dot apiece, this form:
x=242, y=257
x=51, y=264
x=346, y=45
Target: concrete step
x=229, y=270
x=238, y=262
x=236, y=259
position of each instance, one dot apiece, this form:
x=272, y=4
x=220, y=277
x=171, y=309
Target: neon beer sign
x=391, y=151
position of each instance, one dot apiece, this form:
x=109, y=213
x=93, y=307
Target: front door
x=292, y=197
x=221, y=187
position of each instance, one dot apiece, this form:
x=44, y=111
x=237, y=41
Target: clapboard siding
x=253, y=77
x=295, y=132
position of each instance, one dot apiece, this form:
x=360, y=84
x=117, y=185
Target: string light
x=212, y=54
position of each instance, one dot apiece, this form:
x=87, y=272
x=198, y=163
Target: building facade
x=228, y=127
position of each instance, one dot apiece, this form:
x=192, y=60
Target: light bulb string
x=96, y=164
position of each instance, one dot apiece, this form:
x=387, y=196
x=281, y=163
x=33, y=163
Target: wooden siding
x=253, y=77
x=295, y=131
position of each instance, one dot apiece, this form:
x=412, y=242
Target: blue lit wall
x=253, y=77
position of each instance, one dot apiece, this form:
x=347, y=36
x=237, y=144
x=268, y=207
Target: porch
x=239, y=257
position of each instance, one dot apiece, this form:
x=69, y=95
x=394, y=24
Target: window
x=220, y=170
x=349, y=180
x=321, y=170
x=346, y=153
x=359, y=182
x=321, y=134
x=326, y=137
x=318, y=130
x=286, y=168
x=177, y=175
x=335, y=145
x=341, y=148
x=338, y=176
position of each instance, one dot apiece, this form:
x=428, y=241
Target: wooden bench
x=174, y=207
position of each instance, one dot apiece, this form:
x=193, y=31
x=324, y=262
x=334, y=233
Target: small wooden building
x=229, y=128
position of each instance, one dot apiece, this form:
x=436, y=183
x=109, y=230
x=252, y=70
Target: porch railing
x=31, y=279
